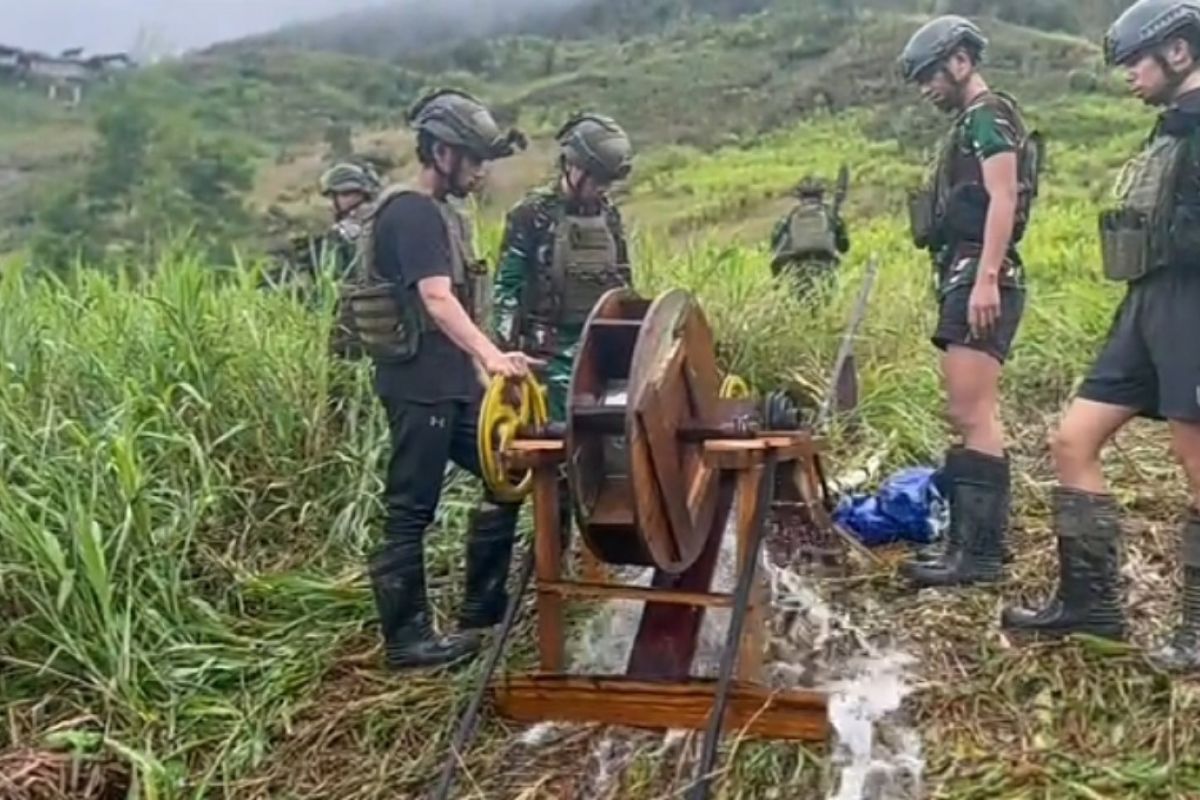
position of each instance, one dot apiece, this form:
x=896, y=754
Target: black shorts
x=1151, y=359
x=954, y=327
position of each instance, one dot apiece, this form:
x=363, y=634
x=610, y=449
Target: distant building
x=63, y=76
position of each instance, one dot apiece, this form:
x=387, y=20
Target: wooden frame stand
x=657, y=691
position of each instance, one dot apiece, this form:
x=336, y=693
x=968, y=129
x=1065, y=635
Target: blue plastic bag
x=907, y=507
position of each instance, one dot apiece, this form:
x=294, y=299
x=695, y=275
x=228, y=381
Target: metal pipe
x=737, y=620
x=467, y=724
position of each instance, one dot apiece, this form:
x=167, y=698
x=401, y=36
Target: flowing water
x=813, y=644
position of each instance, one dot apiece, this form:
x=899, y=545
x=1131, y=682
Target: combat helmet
x=457, y=119
x=347, y=177
x=936, y=40
x=809, y=187
x=1147, y=24
x=597, y=145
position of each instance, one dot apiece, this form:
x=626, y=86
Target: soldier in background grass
x=564, y=246
x=970, y=218
x=350, y=189
x=810, y=241
x=1150, y=364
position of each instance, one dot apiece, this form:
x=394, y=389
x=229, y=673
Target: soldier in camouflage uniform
x=350, y=189
x=810, y=241
x=970, y=217
x=564, y=246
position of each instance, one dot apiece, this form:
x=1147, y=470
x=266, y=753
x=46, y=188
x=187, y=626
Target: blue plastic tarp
x=907, y=507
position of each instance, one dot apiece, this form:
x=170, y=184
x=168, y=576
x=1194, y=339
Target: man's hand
x=509, y=365
x=983, y=312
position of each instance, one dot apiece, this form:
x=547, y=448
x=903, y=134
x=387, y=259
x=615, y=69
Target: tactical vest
x=1135, y=236
x=952, y=207
x=377, y=318
x=583, y=267
x=809, y=233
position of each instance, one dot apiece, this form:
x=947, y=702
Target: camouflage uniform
x=522, y=294
x=986, y=129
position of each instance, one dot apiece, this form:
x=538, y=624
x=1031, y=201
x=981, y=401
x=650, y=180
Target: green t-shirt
x=981, y=133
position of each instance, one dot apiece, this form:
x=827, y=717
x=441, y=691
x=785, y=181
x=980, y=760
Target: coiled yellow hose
x=734, y=388
x=500, y=421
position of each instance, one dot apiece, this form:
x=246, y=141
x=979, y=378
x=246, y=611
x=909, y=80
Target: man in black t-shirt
x=414, y=316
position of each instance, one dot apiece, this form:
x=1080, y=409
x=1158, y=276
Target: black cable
x=466, y=726
x=741, y=605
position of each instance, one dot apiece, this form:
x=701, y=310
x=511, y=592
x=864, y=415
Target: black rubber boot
x=408, y=636
x=979, y=509
x=489, y=555
x=1088, y=599
x=944, y=480
x=1182, y=653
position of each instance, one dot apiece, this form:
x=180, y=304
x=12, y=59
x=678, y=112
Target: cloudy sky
x=98, y=25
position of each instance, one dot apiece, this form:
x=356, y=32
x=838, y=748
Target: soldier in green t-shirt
x=970, y=217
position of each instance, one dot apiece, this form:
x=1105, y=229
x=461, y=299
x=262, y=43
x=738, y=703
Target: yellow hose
x=734, y=388
x=499, y=424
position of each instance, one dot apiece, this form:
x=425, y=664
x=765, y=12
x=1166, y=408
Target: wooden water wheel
x=642, y=493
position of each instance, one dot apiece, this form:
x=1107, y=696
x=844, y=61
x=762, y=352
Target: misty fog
x=99, y=25
x=174, y=25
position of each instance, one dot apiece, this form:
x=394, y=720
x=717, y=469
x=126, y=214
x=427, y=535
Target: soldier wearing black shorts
x=1149, y=365
x=970, y=217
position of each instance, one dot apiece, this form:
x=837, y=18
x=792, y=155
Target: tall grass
x=184, y=513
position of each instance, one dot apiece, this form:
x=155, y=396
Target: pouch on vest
x=479, y=288
x=1126, y=238
x=584, y=266
x=388, y=329
x=922, y=217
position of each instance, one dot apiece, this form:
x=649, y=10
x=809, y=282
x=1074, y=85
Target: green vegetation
x=188, y=487
x=186, y=514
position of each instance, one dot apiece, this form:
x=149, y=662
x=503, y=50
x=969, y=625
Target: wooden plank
x=613, y=505
x=750, y=649
x=668, y=635
x=525, y=454
x=614, y=591
x=753, y=711
x=657, y=426
x=548, y=553
x=744, y=453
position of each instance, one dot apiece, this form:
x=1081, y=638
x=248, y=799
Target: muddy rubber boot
x=489, y=555
x=409, y=640
x=944, y=480
x=1088, y=599
x=978, y=526
x=1182, y=653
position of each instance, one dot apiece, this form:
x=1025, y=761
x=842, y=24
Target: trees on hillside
x=155, y=174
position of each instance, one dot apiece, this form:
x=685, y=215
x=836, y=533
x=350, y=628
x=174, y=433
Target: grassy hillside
x=186, y=520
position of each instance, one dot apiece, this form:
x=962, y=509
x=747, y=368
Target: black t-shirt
x=411, y=244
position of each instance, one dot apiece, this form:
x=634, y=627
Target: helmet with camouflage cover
x=457, y=119
x=810, y=187
x=597, y=145
x=936, y=40
x=347, y=177
x=1147, y=24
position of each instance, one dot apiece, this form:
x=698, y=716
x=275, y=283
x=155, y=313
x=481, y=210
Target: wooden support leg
x=750, y=656
x=548, y=544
